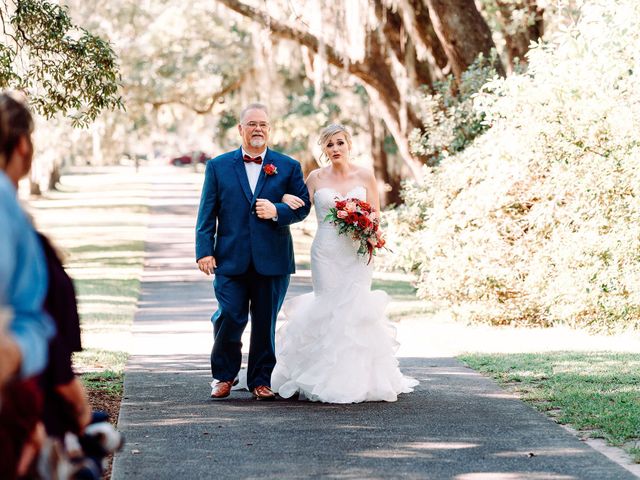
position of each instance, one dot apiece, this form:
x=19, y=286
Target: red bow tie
x=248, y=159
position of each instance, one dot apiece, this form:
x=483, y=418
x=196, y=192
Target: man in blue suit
x=243, y=236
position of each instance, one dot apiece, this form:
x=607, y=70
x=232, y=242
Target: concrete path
x=457, y=425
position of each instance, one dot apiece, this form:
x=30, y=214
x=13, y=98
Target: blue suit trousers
x=261, y=296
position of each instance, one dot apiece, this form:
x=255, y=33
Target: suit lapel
x=263, y=177
x=238, y=165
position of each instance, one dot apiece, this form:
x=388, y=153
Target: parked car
x=189, y=158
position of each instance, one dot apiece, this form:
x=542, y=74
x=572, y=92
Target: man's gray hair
x=253, y=106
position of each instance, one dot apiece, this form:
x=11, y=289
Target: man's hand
x=207, y=264
x=265, y=209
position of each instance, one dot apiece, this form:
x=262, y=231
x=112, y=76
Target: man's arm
x=207, y=213
x=297, y=187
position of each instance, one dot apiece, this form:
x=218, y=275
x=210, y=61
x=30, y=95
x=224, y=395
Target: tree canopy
x=63, y=68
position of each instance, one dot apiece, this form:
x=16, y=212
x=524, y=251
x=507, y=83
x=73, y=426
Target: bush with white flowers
x=538, y=221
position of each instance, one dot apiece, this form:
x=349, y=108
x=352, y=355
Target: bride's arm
x=296, y=202
x=311, y=184
x=373, y=197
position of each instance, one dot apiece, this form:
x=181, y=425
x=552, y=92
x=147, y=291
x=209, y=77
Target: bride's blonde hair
x=326, y=133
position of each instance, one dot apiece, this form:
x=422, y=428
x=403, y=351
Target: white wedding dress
x=336, y=345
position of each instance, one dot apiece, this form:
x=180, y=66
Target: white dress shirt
x=253, y=169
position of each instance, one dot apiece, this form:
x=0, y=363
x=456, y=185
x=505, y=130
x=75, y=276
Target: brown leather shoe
x=221, y=389
x=262, y=392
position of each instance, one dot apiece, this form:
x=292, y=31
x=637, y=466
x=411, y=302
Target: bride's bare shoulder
x=314, y=176
x=365, y=174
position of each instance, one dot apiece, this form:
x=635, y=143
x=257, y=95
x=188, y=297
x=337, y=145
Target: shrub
x=450, y=120
x=538, y=221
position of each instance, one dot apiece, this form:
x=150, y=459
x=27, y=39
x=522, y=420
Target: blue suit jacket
x=228, y=227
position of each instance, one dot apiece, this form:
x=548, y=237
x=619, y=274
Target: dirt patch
x=110, y=403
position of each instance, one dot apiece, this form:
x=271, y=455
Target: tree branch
x=290, y=32
x=374, y=72
x=212, y=100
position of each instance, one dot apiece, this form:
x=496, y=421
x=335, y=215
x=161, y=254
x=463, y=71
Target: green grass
x=404, y=303
x=116, y=287
x=108, y=382
x=107, y=301
x=105, y=264
x=397, y=289
x=400, y=310
x=96, y=360
x=95, y=250
x=102, y=371
x=595, y=393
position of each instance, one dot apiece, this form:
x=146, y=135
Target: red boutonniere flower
x=270, y=169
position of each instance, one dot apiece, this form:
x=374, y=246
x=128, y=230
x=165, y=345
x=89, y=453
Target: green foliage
x=538, y=221
x=598, y=393
x=65, y=69
x=305, y=116
x=227, y=120
x=450, y=120
x=521, y=16
x=174, y=63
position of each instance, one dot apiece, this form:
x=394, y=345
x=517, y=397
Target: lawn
x=97, y=221
x=597, y=394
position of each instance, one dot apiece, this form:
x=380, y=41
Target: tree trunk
x=389, y=182
x=417, y=23
x=34, y=187
x=463, y=32
x=518, y=39
x=418, y=42
x=54, y=177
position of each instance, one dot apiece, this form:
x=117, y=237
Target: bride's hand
x=293, y=201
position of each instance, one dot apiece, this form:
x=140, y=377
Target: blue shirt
x=23, y=282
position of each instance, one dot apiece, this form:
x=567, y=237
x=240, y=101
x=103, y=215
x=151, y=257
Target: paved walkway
x=457, y=425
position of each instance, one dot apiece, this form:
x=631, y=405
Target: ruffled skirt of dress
x=338, y=347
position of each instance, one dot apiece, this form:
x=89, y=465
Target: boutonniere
x=270, y=169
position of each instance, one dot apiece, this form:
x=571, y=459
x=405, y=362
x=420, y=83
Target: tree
x=178, y=69
x=462, y=32
x=519, y=22
x=63, y=68
x=393, y=64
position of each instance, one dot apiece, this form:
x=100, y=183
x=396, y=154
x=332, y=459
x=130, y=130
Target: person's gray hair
x=253, y=106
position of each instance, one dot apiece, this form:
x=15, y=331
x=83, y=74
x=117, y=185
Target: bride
x=336, y=345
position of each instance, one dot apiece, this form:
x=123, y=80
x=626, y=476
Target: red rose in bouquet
x=352, y=218
x=357, y=219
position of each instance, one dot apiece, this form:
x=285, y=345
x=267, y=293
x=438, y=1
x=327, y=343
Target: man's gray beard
x=257, y=142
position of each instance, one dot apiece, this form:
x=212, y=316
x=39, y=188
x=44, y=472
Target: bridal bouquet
x=357, y=219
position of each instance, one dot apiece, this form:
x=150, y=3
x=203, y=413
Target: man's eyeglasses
x=254, y=125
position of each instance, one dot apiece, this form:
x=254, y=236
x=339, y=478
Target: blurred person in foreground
x=70, y=447
x=23, y=287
